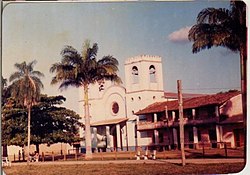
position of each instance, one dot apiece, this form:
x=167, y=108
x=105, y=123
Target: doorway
x=213, y=137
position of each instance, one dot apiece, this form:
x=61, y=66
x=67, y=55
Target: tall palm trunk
x=5, y=150
x=88, y=154
x=28, y=149
x=243, y=65
x=37, y=148
x=4, y=146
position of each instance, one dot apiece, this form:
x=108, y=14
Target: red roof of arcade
x=215, y=99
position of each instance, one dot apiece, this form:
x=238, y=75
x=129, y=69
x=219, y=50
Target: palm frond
x=54, y=80
x=31, y=65
x=108, y=60
x=37, y=73
x=92, y=52
x=213, y=16
x=54, y=67
x=37, y=81
x=208, y=35
x=15, y=75
x=70, y=55
x=26, y=85
x=69, y=82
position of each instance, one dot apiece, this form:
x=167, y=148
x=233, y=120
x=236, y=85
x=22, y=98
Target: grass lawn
x=124, y=169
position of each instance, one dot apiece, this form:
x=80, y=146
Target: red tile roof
x=174, y=95
x=215, y=99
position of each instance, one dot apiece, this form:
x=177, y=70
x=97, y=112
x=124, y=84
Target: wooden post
x=179, y=87
x=43, y=156
x=53, y=158
x=225, y=146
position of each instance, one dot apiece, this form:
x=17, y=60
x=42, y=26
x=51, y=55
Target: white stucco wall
x=101, y=106
x=232, y=107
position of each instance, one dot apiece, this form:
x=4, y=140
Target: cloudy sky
x=126, y=29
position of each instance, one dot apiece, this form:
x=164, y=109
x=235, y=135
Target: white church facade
x=113, y=107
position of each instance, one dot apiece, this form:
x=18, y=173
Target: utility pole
x=179, y=87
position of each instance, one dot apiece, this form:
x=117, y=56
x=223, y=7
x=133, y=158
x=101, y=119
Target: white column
x=155, y=117
x=138, y=138
x=175, y=136
x=195, y=133
x=216, y=111
x=166, y=112
x=173, y=114
x=193, y=114
x=108, y=138
x=156, y=135
x=219, y=134
x=118, y=137
x=95, y=138
x=124, y=138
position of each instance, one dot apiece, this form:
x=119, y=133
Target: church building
x=113, y=107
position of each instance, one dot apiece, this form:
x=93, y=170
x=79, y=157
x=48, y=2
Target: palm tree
x=227, y=28
x=3, y=98
x=81, y=70
x=25, y=88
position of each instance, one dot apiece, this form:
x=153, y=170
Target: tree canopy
x=79, y=69
x=50, y=123
x=220, y=27
x=26, y=84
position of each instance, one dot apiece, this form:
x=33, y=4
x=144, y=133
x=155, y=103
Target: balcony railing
x=147, y=125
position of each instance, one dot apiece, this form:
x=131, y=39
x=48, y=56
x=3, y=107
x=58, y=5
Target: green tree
x=50, y=123
x=14, y=126
x=226, y=28
x=26, y=87
x=81, y=70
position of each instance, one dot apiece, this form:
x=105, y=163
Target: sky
x=39, y=31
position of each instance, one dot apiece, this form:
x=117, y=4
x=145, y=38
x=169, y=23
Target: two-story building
x=207, y=119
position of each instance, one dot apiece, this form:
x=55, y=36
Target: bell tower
x=144, y=82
